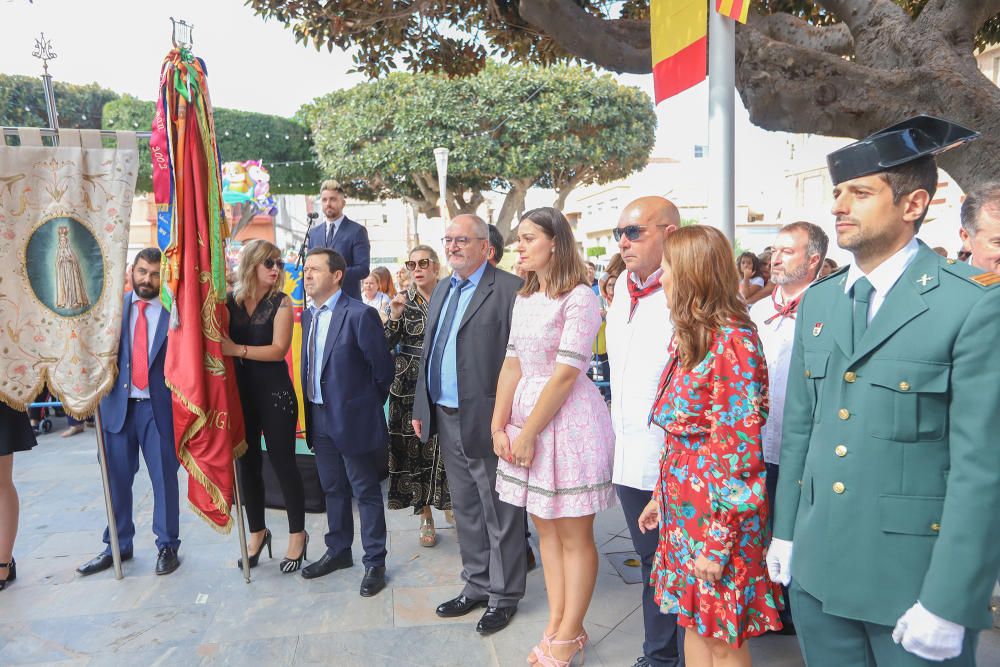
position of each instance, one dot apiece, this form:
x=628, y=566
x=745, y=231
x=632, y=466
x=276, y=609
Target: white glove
x=779, y=561
x=928, y=636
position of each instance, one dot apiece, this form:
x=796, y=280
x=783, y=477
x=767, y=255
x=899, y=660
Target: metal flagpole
x=722, y=122
x=243, y=530
x=441, y=159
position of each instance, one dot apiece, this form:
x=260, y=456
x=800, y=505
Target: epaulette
x=987, y=279
x=834, y=274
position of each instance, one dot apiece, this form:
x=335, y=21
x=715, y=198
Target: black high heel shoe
x=11, y=573
x=256, y=557
x=289, y=565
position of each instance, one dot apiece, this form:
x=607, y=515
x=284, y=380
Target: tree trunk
x=793, y=77
x=513, y=204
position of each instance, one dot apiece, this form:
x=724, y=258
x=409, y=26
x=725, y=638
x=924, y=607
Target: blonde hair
x=253, y=254
x=333, y=185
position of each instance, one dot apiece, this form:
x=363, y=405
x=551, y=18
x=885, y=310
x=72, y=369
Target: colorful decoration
x=248, y=182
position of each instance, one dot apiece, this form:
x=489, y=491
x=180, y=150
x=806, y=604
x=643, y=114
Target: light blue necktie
x=313, y=354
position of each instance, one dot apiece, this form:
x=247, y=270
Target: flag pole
x=722, y=122
x=239, y=519
x=102, y=458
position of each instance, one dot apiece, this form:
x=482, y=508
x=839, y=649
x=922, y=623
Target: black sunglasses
x=270, y=263
x=422, y=263
x=631, y=232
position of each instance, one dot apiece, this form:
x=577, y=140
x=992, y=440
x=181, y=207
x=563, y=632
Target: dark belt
x=412, y=350
x=448, y=411
x=137, y=400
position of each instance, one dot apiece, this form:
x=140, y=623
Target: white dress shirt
x=637, y=354
x=883, y=276
x=777, y=339
x=153, y=311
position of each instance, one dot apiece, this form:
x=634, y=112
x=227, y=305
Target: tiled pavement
x=204, y=614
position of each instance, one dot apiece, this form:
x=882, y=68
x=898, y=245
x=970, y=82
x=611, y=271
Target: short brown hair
x=334, y=260
x=567, y=269
x=817, y=242
x=704, y=291
x=916, y=175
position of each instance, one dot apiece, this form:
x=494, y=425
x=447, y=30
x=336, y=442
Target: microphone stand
x=302, y=249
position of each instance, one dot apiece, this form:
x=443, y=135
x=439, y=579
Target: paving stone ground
x=205, y=614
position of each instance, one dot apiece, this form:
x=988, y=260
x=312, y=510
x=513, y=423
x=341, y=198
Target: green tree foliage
x=22, y=103
x=271, y=139
x=507, y=128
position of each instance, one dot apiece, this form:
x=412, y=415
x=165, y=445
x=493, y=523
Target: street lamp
x=441, y=158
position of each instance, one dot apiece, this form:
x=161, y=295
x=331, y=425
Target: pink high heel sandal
x=538, y=652
x=550, y=661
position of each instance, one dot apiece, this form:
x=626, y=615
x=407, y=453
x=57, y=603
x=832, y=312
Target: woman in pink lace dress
x=551, y=428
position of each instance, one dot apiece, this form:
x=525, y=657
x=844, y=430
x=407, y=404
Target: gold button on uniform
x=936, y=527
x=904, y=386
x=840, y=450
x=844, y=414
x=838, y=487
x=808, y=374
x=850, y=376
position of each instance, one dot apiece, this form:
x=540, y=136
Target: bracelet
x=244, y=355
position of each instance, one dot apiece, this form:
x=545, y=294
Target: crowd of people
x=841, y=406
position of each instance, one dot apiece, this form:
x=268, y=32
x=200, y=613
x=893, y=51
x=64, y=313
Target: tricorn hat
x=914, y=138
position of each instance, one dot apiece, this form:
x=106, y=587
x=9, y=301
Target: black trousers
x=273, y=413
x=772, y=485
x=663, y=637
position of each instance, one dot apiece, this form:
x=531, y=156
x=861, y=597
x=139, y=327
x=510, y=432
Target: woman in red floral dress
x=710, y=504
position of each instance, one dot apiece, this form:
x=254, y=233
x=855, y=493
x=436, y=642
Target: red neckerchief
x=635, y=293
x=787, y=310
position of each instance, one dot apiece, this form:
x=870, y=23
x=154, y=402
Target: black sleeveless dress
x=16, y=434
x=269, y=409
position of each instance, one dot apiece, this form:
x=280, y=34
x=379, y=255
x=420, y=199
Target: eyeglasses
x=460, y=241
x=631, y=232
x=422, y=263
x=270, y=263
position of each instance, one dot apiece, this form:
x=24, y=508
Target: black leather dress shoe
x=495, y=618
x=328, y=564
x=373, y=582
x=167, y=560
x=459, y=606
x=100, y=562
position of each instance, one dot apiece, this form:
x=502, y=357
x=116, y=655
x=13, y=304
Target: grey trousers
x=490, y=532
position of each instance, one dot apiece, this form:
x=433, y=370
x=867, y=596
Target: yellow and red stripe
x=679, y=39
x=737, y=10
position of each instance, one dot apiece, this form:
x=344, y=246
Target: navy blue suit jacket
x=355, y=376
x=115, y=404
x=352, y=242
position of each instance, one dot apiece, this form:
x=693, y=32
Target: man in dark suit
x=346, y=373
x=137, y=415
x=340, y=233
x=467, y=329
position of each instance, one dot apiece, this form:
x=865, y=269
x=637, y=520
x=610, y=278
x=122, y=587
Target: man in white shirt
x=638, y=334
x=797, y=256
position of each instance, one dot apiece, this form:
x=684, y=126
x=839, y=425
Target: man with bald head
x=468, y=324
x=638, y=334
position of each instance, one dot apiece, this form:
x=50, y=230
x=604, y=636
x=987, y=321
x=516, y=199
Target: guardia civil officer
x=885, y=519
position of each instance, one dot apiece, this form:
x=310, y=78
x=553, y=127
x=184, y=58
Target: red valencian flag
x=208, y=420
x=679, y=37
x=737, y=10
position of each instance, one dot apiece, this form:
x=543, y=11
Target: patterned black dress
x=416, y=470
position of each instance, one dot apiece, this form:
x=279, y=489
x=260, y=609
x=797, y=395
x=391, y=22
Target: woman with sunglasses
x=260, y=333
x=710, y=502
x=416, y=470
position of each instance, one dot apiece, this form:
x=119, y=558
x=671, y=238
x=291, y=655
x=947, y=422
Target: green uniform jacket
x=890, y=462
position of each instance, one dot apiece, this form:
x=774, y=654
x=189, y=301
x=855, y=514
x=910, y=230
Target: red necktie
x=140, y=349
x=787, y=310
x=635, y=293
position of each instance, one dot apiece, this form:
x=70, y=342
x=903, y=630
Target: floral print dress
x=711, y=491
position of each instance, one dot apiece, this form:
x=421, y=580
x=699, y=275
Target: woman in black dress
x=260, y=330
x=416, y=471
x=16, y=435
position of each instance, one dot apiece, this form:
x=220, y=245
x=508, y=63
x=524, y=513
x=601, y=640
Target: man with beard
x=340, y=233
x=136, y=416
x=885, y=521
x=796, y=258
x=980, y=232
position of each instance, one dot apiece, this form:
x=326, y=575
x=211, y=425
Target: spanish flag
x=737, y=10
x=679, y=36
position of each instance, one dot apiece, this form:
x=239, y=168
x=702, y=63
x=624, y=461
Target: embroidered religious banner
x=64, y=221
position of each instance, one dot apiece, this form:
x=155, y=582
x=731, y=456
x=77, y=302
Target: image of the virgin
x=71, y=291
